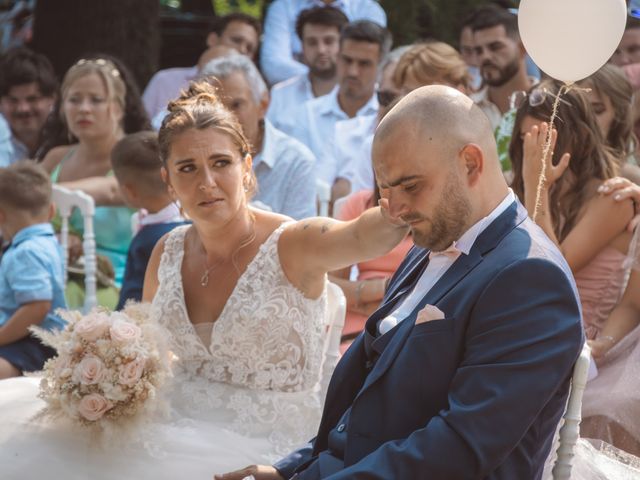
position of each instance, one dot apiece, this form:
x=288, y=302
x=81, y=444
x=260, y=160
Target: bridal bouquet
x=108, y=368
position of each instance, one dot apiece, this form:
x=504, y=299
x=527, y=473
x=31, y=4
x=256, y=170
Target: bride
x=243, y=295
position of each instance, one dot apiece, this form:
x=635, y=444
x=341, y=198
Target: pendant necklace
x=204, y=280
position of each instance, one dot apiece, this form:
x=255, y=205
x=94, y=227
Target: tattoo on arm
x=325, y=228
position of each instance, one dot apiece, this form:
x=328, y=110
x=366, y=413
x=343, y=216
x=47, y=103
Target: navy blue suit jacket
x=475, y=395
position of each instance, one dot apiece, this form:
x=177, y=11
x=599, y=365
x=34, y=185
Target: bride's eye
x=186, y=168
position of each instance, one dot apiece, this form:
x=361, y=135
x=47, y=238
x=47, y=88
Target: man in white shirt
x=501, y=57
x=280, y=57
x=319, y=30
x=237, y=31
x=363, y=45
x=283, y=166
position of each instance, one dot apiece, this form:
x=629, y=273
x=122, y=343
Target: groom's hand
x=257, y=472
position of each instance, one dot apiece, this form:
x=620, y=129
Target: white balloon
x=571, y=39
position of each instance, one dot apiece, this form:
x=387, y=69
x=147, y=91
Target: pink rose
x=92, y=327
x=125, y=332
x=93, y=406
x=131, y=372
x=89, y=371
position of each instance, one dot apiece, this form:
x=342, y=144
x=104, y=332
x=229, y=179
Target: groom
x=463, y=372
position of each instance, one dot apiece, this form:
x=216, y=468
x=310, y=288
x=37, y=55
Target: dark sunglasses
x=385, y=97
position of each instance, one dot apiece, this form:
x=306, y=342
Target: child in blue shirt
x=136, y=164
x=31, y=269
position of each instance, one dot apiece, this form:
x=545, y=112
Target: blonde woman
x=99, y=103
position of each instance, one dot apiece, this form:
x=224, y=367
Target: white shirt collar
x=330, y=105
x=341, y=4
x=267, y=154
x=169, y=214
x=468, y=238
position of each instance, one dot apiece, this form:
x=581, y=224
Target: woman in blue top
x=99, y=104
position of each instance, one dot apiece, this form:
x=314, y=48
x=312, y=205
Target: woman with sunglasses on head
x=590, y=228
x=99, y=104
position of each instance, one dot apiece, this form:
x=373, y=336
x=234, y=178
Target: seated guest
x=31, y=271
x=237, y=31
x=319, y=31
x=99, y=104
x=280, y=56
x=28, y=90
x=354, y=136
x=611, y=98
x=501, y=58
x=430, y=63
x=136, y=165
x=614, y=418
x=628, y=51
x=363, y=45
x=283, y=166
x=589, y=228
x=591, y=231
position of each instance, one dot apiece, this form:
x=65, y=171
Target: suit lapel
x=407, y=276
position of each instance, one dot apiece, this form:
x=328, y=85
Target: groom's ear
x=472, y=159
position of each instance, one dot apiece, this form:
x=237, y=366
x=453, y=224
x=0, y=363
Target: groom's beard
x=449, y=220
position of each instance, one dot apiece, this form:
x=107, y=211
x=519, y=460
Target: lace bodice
x=264, y=358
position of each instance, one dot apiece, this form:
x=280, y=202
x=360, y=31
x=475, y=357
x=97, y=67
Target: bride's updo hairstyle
x=199, y=107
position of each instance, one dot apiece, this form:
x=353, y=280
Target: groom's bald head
x=436, y=160
x=440, y=116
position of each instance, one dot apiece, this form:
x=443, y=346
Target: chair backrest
x=66, y=200
x=336, y=312
x=338, y=204
x=323, y=191
x=570, y=430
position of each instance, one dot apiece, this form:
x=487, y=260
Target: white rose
x=89, y=371
x=131, y=372
x=93, y=406
x=125, y=332
x=92, y=327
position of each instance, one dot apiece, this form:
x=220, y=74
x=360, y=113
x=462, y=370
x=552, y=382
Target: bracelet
x=609, y=338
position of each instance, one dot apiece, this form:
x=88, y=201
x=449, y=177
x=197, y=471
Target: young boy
x=136, y=164
x=31, y=269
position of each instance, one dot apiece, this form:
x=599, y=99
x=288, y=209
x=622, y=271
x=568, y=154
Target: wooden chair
x=570, y=430
x=323, y=192
x=65, y=201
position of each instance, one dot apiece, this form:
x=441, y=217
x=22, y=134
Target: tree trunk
x=67, y=30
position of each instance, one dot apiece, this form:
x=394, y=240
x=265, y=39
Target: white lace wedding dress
x=245, y=391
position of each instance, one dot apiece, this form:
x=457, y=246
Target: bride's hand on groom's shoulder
x=255, y=472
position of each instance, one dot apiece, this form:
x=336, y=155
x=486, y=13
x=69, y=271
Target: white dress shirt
x=285, y=173
x=315, y=125
x=281, y=48
x=439, y=263
x=352, y=150
x=286, y=97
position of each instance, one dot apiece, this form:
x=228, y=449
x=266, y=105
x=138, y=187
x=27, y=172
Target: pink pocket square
x=429, y=313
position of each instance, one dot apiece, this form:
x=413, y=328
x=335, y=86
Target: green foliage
x=411, y=20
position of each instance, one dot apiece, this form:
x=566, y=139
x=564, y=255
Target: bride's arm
x=312, y=247
x=151, y=274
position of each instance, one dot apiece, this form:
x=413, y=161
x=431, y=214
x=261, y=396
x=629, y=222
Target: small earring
x=246, y=189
